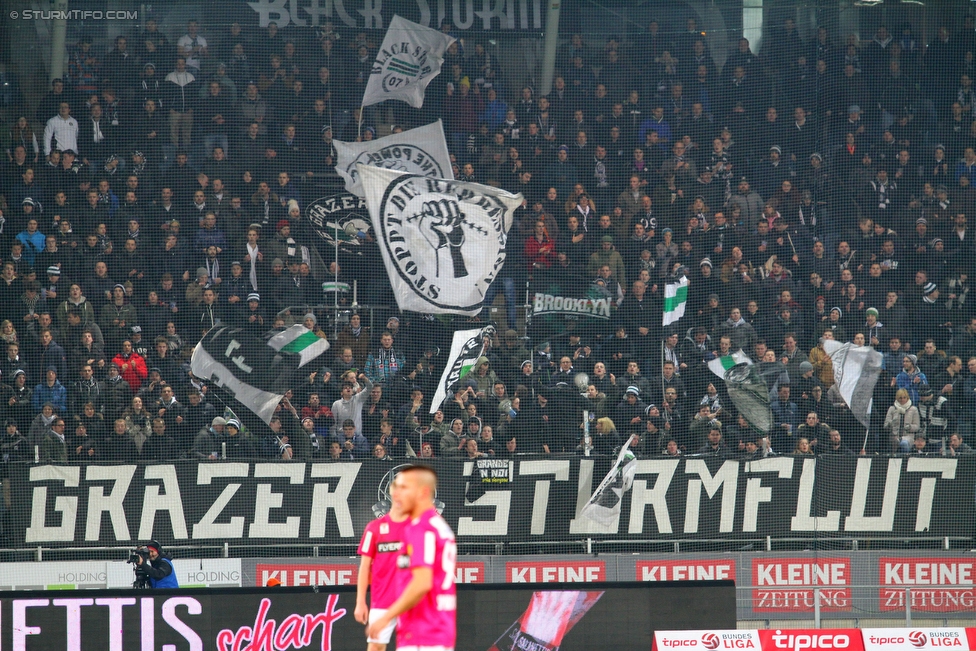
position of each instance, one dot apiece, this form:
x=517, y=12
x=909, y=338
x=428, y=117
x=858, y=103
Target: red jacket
x=540, y=253
x=133, y=369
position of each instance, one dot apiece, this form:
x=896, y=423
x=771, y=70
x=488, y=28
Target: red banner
x=936, y=583
x=343, y=574
x=555, y=572
x=706, y=570
x=307, y=574
x=839, y=639
x=785, y=584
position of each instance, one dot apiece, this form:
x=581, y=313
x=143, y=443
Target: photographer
x=159, y=569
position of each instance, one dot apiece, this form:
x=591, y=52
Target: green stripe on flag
x=405, y=64
x=301, y=343
x=728, y=362
x=672, y=302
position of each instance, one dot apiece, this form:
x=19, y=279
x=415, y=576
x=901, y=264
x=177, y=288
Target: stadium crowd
x=818, y=189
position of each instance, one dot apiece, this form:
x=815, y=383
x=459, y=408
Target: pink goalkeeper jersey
x=432, y=622
x=382, y=542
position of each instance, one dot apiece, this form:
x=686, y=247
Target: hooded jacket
x=135, y=372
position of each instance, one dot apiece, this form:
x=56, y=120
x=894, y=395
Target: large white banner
x=443, y=242
x=420, y=151
x=410, y=56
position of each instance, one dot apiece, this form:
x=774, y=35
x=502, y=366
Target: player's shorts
x=386, y=633
x=425, y=648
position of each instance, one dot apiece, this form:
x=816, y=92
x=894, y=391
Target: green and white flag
x=466, y=348
x=301, y=340
x=720, y=365
x=410, y=56
x=675, y=300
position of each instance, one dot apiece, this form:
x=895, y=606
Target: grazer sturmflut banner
x=331, y=503
x=443, y=242
x=420, y=151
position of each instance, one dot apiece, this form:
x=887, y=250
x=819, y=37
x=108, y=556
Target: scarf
x=903, y=409
x=213, y=267
x=253, y=274
x=735, y=324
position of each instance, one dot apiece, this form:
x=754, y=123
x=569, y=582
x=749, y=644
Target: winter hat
x=929, y=289
x=633, y=389
x=840, y=312
x=254, y=296
x=310, y=316
x=913, y=358
x=218, y=420
x=233, y=422
x=805, y=367
x=706, y=262
x=871, y=310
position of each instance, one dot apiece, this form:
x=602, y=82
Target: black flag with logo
x=245, y=368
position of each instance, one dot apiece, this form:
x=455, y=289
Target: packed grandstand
x=682, y=212
x=166, y=183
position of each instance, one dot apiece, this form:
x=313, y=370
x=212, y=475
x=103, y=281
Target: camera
x=141, y=581
x=137, y=553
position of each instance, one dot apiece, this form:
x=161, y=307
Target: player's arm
x=421, y=582
x=362, y=583
x=367, y=549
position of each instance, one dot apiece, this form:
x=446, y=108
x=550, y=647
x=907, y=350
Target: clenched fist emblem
x=441, y=227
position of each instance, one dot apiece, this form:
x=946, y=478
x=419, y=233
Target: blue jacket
x=906, y=381
x=168, y=581
x=56, y=395
x=33, y=244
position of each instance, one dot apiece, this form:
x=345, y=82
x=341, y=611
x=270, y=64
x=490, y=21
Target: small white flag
x=675, y=299
x=720, y=365
x=410, y=56
x=856, y=371
x=420, y=151
x=466, y=348
x=604, y=505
